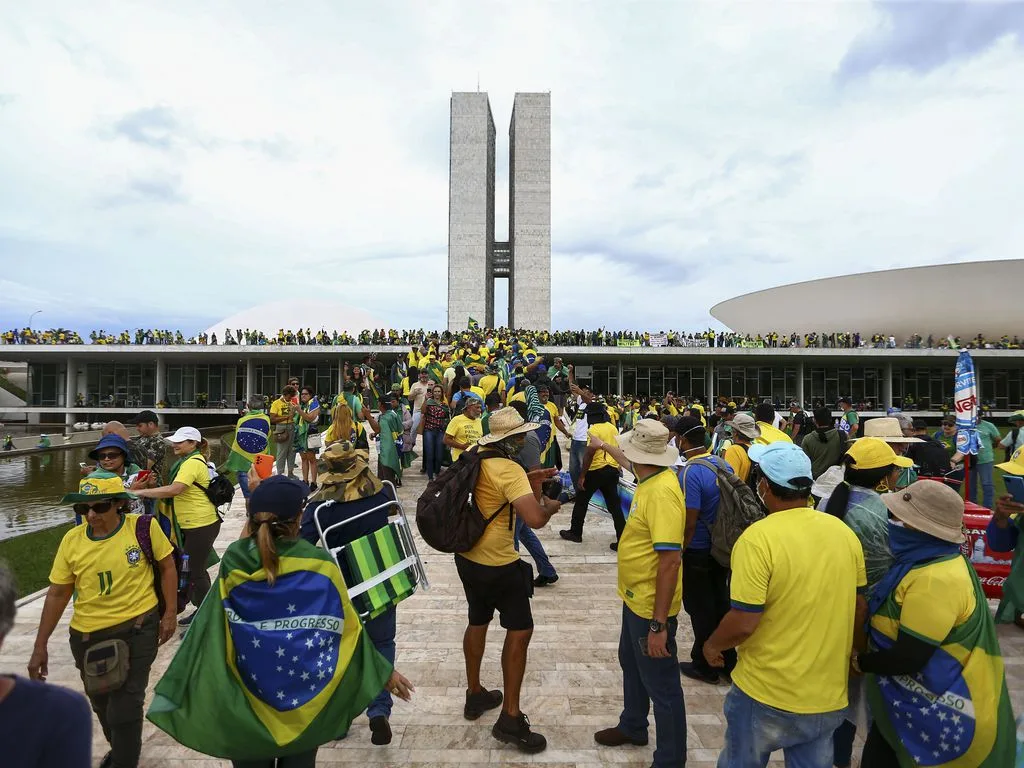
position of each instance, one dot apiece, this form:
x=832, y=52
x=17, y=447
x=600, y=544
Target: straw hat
x=930, y=507
x=887, y=428
x=647, y=443
x=506, y=422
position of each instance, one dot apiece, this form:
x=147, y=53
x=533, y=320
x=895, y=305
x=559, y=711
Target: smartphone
x=642, y=642
x=82, y=464
x=1015, y=486
x=264, y=464
x=552, y=488
x=143, y=475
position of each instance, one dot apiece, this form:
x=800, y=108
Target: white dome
x=295, y=314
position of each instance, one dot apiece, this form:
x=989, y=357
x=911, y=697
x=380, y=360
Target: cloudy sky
x=166, y=164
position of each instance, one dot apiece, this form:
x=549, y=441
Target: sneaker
x=478, y=703
x=312, y=487
x=108, y=760
x=613, y=737
x=570, y=535
x=380, y=730
x=543, y=581
x=184, y=621
x=614, y=546
x=694, y=672
x=516, y=730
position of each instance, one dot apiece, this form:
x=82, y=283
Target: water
x=31, y=487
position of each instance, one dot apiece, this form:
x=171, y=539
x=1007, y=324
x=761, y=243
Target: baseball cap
x=1015, y=466
x=185, y=433
x=280, y=495
x=846, y=400
x=146, y=417
x=785, y=464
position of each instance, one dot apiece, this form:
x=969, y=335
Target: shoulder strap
x=142, y=535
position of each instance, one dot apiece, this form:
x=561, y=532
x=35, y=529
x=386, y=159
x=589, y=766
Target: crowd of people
x=568, y=338
x=816, y=557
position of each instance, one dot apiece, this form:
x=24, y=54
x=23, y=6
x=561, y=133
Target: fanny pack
x=105, y=666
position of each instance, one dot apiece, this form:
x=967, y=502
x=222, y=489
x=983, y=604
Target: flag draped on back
x=268, y=671
x=252, y=435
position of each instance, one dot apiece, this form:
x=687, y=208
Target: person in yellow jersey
x=464, y=430
x=192, y=510
x=789, y=687
x=764, y=415
x=650, y=586
x=599, y=472
x=111, y=573
x=491, y=382
x=744, y=432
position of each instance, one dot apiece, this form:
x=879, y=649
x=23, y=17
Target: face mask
x=760, y=497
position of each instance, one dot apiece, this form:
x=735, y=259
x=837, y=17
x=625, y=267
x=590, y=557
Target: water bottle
x=978, y=555
x=184, y=575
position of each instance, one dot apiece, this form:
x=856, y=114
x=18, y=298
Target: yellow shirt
x=793, y=566
x=606, y=433
x=113, y=580
x=933, y=600
x=191, y=506
x=491, y=383
x=280, y=408
x=655, y=524
x=770, y=434
x=500, y=481
x=736, y=457
x=464, y=430
x=519, y=396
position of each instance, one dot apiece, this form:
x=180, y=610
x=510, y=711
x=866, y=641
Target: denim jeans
x=576, y=450
x=646, y=680
x=433, y=451
x=525, y=534
x=988, y=488
x=243, y=483
x=755, y=730
x=381, y=631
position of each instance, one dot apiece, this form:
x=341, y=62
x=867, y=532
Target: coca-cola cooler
x=992, y=567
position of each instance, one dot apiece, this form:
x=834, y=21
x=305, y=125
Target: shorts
x=505, y=588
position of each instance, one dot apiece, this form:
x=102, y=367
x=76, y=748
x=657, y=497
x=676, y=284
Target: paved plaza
x=572, y=686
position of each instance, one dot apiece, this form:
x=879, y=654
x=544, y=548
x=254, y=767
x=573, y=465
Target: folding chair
x=384, y=565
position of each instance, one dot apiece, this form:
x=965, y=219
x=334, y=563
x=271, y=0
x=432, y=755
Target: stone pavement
x=572, y=686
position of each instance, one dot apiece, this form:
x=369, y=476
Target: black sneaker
x=380, y=730
x=569, y=535
x=516, y=730
x=543, y=581
x=184, y=621
x=614, y=546
x=108, y=760
x=478, y=703
x=694, y=672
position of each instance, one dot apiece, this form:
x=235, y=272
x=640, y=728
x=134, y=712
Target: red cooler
x=992, y=567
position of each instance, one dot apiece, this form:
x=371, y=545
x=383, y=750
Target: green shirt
x=988, y=434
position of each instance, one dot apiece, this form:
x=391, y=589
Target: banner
x=659, y=339
x=692, y=343
x=965, y=404
x=627, y=343
x=751, y=344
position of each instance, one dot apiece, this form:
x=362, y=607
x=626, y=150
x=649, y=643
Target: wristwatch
x=656, y=626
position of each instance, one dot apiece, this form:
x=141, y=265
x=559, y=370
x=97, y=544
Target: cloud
x=147, y=189
x=154, y=127
x=922, y=36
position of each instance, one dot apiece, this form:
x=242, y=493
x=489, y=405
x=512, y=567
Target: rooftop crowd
x=582, y=338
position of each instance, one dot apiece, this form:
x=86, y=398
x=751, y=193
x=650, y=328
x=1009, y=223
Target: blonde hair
x=204, y=448
x=342, y=423
x=267, y=529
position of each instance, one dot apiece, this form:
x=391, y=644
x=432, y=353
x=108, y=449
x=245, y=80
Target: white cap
x=185, y=433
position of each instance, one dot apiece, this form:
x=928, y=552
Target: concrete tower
x=475, y=259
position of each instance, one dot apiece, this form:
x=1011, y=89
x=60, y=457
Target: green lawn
x=30, y=557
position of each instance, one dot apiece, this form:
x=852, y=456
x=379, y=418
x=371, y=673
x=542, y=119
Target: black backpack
x=146, y=545
x=447, y=516
x=738, y=507
x=219, y=491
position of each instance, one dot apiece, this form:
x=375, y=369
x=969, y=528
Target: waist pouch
x=105, y=666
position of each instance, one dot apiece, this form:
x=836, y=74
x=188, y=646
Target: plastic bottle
x=184, y=576
x=978, y=554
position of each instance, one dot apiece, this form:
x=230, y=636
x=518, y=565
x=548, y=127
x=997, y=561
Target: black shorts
x=507, y=588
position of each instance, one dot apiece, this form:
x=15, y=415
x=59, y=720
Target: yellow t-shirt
x=606, y=433
x=113, y=580
x=770, y=434
x=492, y=383
x=793, y=566
x=655, y=524
x=191, y=506
x=519, y=396
x=500, y=481
x=279, y=408
x=736, y=457
x=465, y=430
x=934, y=599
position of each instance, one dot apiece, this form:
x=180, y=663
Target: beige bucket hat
x=887, y=428
x=647, y=443
x=931, y=507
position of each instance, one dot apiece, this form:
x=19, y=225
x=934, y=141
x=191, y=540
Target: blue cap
x=280, y=495
x=785, y=464
x=109, y=441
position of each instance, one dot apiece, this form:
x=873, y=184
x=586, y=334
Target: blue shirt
x=42, y=724
x=700, y=487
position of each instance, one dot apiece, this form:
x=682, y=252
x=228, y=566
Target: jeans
x=433, y=451
x=646, y=680
x=381, y=631
x=197, y=545
x=417, y=417
x=576, y=450
x=755, y=730
x=706, y=601
x=605, y=480
x=988, y=488
x=526, y=535
x=243, y=483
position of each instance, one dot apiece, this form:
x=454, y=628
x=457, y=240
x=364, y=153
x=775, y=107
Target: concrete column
x=710, y=374
x=161, y=381
x=620, y=378
x=70, y=390
x=800, y=383
x=887, y=386
x=250, y=380
x=341, y=376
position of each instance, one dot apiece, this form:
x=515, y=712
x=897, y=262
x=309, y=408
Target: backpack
x=146, y=545
x=219, y=491
x=447, y=516
x=738, y=507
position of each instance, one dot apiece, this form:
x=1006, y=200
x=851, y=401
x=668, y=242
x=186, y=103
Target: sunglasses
x=109, y=455
x=98, y=507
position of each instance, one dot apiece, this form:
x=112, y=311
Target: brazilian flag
x=252, y=435
x=269, y=671
x=473, y=325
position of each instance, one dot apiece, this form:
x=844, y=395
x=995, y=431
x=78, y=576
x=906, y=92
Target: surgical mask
x=760, y=497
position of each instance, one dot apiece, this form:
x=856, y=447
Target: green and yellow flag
x=268, y=671
x=473, y=325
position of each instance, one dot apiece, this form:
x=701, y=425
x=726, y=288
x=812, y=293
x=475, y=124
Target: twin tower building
x=475, y=257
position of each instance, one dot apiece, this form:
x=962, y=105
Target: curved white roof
x=293, y=314
x=944, y=300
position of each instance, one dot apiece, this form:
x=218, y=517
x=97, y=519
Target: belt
x=135, y=623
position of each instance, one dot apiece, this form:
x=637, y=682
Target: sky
x=170, y=164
